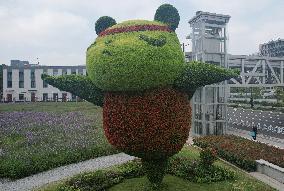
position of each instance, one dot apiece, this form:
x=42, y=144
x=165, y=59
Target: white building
x=22, y=82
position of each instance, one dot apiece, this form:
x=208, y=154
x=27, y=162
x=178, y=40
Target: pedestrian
x=254, y=132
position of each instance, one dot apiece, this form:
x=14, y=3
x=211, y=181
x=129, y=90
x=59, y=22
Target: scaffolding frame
x=209, y=44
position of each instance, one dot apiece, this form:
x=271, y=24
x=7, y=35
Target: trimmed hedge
x=103, y=23
x=127, y=62
x=135, y=28
x=240, y=151
x=78, y=85
x=152, y=125
x=168, y=14
x=178, y=166
x=197, y=74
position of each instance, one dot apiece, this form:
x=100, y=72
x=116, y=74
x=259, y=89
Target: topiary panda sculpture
x=137, y=73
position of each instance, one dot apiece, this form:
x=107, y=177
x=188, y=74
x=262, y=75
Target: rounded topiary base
x=152, y=125
x=155, y=170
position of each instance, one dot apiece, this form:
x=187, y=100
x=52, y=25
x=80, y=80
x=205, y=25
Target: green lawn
x=242, y=182
x=35, y=137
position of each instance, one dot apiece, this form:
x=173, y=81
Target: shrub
x=208, y=157
x=102, y=179
x=168, y=14
x=128, y=61
x=195, y=171
x=241, y=151
x=150, y=125
x=197, y=74
x=178, y=166
x=155, y=170
x=103, y=23
x=79, y=85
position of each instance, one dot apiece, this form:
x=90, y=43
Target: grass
x=35, y=137
x=242, y=181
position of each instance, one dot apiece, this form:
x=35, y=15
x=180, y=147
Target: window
x=45, y=70
x=55, y=96
x=33, y=84
x=21, y=75
x=9, y=84
x=64, y=72
x=21, y=84
x=73, y=71
x=9, y=75
x=32, y=75
x=80, y=71
x=74, y=97
x=45, y=96
x=55, y=72
x=21, y=97
x=45, y=84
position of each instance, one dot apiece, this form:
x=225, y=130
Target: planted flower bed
x=188, y=170
x=241, y=151
x=32, y=142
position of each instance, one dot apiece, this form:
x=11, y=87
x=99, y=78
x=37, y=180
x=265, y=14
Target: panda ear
x=169, y=15
x=103, y=23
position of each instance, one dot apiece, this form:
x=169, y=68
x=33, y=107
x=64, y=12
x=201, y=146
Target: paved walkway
x=37, y=180
x=278, y=142
x=268, y=180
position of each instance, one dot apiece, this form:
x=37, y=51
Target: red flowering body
x=150, y=125
x=134, y=29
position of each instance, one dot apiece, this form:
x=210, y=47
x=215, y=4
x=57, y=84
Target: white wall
x=39, y=89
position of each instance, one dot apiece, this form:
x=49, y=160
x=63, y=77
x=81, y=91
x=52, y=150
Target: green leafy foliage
x=155, y=170
x=102, y=179
x=241, y=151
x=207, y=157
x=197, y=74
x=78, y=85
x=168, y=14
x=103, y=23
x=135, y=61
x=161, y=41
x=195, y=171
x=183, y=167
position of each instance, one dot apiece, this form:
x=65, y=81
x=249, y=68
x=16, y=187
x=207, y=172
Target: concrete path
x=37, y=180
x=268, y=180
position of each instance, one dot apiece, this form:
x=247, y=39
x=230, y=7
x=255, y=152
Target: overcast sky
x=59, y=31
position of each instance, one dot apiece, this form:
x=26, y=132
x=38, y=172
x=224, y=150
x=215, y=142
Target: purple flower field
x=43, y=140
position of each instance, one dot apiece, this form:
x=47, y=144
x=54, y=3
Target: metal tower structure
x=209, y=44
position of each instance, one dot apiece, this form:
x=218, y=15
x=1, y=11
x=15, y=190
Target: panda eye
x=160, y=41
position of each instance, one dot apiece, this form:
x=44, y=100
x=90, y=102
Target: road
x=268, y=123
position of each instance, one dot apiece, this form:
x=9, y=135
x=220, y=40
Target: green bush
x=183, y=167
x=78, y=85
x=208, y=157
x=135, y=61
x=102, y=179
x=168, y=14
x=103, y=23
x=195, y=171
x=241, y=151
x=155, y=170
x=197, y=74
